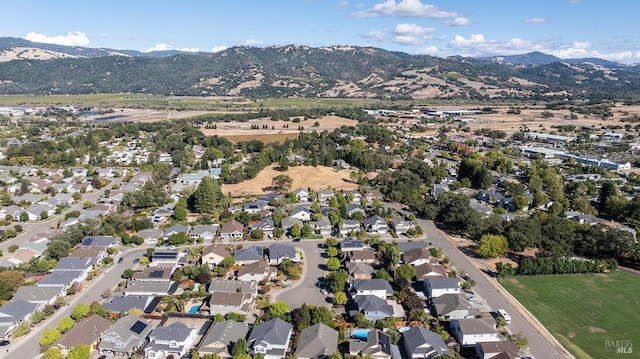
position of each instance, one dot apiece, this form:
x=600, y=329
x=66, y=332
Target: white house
x=173, y=340
x=470, y=331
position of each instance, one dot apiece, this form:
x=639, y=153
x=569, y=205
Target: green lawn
x=584, y=311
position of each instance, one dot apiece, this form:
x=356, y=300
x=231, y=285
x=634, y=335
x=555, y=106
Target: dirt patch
x=492, y=262
x=571, y=335
x=596, y=330
x=316, y=178
x=266, y=138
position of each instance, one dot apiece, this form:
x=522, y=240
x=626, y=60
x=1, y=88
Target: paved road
x=496, y=297
x=28, y=347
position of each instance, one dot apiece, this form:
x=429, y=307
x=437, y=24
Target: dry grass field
x=230, y=129
x=316, y=178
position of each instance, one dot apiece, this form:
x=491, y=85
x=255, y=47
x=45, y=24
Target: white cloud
x=219, y=48
x=429, y=50
x=342, y=5
x=459, y=21
x=165, y=47
x=248, y=42
x=74, y=38
x=404, y=34
x=536, y=20
x=406, y=8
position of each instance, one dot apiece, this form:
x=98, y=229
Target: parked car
x=324, y=291
x=120, y=260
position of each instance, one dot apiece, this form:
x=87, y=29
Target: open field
x=316, y=178
x=233, y=128
x=584, y=311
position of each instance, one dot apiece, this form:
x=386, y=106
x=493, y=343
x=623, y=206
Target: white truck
x=503, y=313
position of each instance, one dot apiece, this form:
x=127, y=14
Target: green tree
x=257, y=234
x=282, y=183
x=228, y=262
x=24, y=217
x=337, y=280
x=406, y=272
x=81, y=351
x=492, y=245
x=333, y=264
x=21, y=330
x=80, y=311
x=207, y=197
x=340, y=298
x=239, y=347
x=180, y=213
x=66, y=324
x=332, y=252
x=279, y=309
x=296, y=230
x=49, y=336
x=52, y=353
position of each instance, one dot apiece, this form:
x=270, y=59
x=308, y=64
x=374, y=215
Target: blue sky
x=565, y=28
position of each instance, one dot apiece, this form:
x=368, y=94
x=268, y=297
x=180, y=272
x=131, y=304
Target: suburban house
x=324, y=196
x=266, y=225
x=100, y=241
x=360, y=270
x=175, y=229
x=160, y=274
x=124, y=303
x=270, y=339
x=425, y=271
x=367, y=255
x=322, y=226
x=214, y=254
x=207, y=232
x=220, y=339
x=377, y=287
x=77, y=263
x=372, y=195
x=62, y=278
x=318, y=341
x=97, y=253
x=231, y=230
x=248, y=255
x=349, y=244
x=39, y=295
x=227, y=302
x=85, y=332
x=400, y=226
x=452, y=306
x=168, y=259
x=147, y=287
x=256, y=271
x=498, y=350
x=277, y=252
x=14, y=312
x=375, y=225
x=301, y=213
x=150, y=236
x=353, y=208
x=416, y=257
x=407, y=246
x=377, y=345
x=171, y=340
x=420, y=343
x=435, y=287
x=253, y=207
x=287, y=222
x=469, y=332
x=302, y=195
x=349, y=225
x=125, y=336
x=373, y=307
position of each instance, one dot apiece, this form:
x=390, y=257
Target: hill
x=301, y=71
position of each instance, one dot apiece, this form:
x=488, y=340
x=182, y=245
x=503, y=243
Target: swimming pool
x=194, y=309
x=360, y=334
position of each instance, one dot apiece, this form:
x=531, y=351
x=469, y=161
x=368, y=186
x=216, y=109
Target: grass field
x=584, y=311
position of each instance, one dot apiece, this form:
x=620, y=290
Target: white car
x=324, y=291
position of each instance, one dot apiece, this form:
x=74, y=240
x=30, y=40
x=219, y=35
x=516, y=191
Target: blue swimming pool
x=360, y=334
x=194, y=309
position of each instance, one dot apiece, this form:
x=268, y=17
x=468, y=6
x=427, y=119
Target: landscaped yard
x=584, y=311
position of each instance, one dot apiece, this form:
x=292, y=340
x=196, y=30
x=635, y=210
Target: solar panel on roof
x=156, y=274
x=88, y=241
x=138, y=327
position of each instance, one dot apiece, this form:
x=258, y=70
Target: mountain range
x=299, y=71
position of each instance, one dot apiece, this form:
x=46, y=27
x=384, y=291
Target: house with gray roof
x=205, y=231
x=124, y=303
x=220, y=339
x=85, y=332
x=400, y=226
x=322, y=226
x=143, y=287
x=162, y=274
x=407, y=246
x=437, y=286
x=350, y=244
x=277, y=252
x=349, y=225
x=468, y=332
x=257, y=271
x=377, y=345
x=233, y=286
x=302, y=194
x=375, y=225
x=287, y=222
x=360, y=270
x=248, y=255
x=150, y=235
x=499, y=350
x=100, y=241
x=377, y=287
x=353, y=208
x=125, y=336
x=14, y=312
x=39, y=295
x=266, y=225
x=175, y=229
x=227, y=302
x=62, y=278
x=270, y=339
x=373, y=307
x=420, y=343
x=76, y=263
x=256, y=206
x=452, y=306
x=301, y=213
x=172, y=340
x=318, y=341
